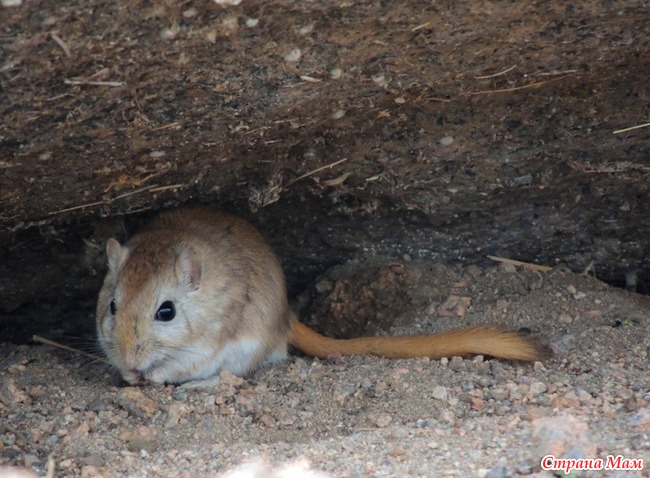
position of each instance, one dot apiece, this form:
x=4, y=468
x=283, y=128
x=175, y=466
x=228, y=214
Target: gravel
x=360, y=416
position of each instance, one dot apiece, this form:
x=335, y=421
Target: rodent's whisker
x=53, y=343
x=188, y=350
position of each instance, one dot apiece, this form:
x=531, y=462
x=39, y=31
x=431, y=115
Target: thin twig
x=441, y=100
x=62, y=44
x=175, y=124
x=143, y=189
x=74, y=208
x=527, y=265
x=555, y=73
x=421, y=26
x=506, y=90
x=43, y=340
x=51, y=466
x=154, y=188
x=496, y=74
x=157, y=189
x=310, y=173
x=94, y=83
x=625, y=130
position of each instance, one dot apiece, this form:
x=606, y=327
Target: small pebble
x=439, y=392
x=293, y=56
x=380, y=80
x=11, y=395
x=523, y=180
x=136, y=402
x=456, y=363
x=190, y=12
x=169, y=33
x=381, y=420
x=306, y=29
x=446, y=141
x=179, y=394
x=267, y=421
x=537, y=388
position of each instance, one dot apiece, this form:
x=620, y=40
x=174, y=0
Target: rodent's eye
x=113, y=307
x=166, y=311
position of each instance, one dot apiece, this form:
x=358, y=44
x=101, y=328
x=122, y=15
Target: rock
x=439, y=392
x=536, y=389
x=561, y=436
x=136, y=402
x=11, y=395
x=454, y=306
x=381, y=420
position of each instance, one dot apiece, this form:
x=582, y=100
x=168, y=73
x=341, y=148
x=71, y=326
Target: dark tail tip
x=543, y=351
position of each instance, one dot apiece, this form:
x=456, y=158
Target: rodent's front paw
x=132, y=378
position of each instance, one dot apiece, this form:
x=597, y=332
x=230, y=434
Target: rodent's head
x=147, y=306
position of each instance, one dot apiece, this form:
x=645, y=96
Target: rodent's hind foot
x=205, y=383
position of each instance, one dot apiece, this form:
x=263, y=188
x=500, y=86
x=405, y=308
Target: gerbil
x=197, y=292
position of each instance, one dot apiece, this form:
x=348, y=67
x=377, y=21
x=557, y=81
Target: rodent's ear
x=189, y=267
x=115, y=253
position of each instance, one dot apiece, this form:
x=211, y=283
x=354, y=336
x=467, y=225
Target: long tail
x=485, y=340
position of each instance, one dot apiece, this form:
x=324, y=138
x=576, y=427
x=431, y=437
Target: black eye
x=166, y=311
x=113, y=307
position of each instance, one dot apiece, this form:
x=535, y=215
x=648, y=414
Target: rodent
x=197, y=292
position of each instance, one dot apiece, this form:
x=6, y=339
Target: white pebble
x=306, y=29
x=380, y=80
x=447, y=141
x=252, y=22
x=293, y=56
x=168, y=34
x=190, y=12
x=336, y=73
x=439, y=393
x=338, y=114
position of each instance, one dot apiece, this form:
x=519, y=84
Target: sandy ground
x=364, y=416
